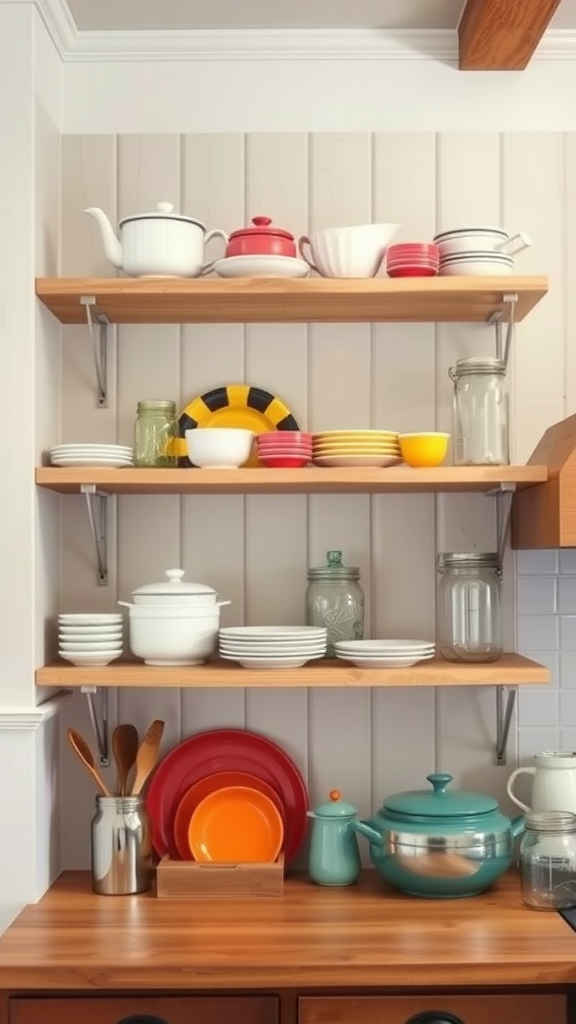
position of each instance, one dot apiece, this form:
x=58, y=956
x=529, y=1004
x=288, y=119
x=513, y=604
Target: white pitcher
x=554, y=786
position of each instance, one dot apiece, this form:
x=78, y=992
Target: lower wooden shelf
x=510, y=670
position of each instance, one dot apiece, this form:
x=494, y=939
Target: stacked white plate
x=86, y=638
x=272, y=646
x=384, y=653
x=110, y=455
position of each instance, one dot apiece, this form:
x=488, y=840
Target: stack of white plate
x=384, y=653
x=272, y=646
x=86, y=638
x=110, y=455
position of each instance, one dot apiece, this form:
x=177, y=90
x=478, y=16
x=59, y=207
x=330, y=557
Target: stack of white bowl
x=87, y=638
x=384, y=653
x=479, y=251
x=110, y=455
x=272, y=646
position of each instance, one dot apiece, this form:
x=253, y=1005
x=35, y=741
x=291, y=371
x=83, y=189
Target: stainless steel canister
x=121, y=846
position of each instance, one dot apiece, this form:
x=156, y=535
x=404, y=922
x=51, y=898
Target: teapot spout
x=112, y=246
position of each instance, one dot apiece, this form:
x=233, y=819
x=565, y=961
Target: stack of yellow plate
x=356, y=448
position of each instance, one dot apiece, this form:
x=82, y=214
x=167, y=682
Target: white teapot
x=157, y=244
x=554, y=786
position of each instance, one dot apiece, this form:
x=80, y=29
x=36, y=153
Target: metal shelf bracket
x=503, y=348
x=99, y=347
x=503, y=719
x=99, y=722
x=97, y=506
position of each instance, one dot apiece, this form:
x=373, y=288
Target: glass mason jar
x=121, y=846
x=335, y=600
x=480, y=413
x=548, y=860
x=155, y=433
x=468, y=620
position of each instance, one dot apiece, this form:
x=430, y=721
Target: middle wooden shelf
x=509, y=670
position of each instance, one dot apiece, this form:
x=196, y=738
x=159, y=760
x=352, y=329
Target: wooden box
x=176, y=879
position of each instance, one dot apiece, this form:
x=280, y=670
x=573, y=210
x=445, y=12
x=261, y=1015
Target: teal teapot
x=334, y=857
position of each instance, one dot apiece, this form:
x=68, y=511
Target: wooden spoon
x=85, y=755
x=124, y=748
x=147, y=755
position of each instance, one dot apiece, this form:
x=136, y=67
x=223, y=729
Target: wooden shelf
x=310, y=480
x=274, y=300
x=510, y=670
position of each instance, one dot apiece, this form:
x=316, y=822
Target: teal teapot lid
x=335, y=807
x=439, y=802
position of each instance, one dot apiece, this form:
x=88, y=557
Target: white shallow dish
x=90, y=658
x=276, y=633
x=261, y=266
x=86, y=633
x=282, y=650
x=91, y=619
x=112, y=449
x=394, y=645
x=296, y=661
x=89, y=460
x=379, y=461
x=377, y=662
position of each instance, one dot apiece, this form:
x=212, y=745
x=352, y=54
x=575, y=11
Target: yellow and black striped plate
x=234, y=405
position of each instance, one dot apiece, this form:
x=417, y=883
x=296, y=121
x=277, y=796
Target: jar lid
x=335, y=807
x=437, y=803
x=174, y=585
x=334, y=569
x=551, y=821
x=478, y=364
x=157, y=403
x=262, y=227
x=479, y=559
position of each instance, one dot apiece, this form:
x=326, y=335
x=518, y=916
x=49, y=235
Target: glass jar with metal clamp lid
x=480, y=412
x=335, y=600
x=155, y=434
x=548, y=860
x=468, y=618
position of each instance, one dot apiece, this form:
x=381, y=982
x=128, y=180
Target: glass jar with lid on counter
x=548, y=860
x=155, y=433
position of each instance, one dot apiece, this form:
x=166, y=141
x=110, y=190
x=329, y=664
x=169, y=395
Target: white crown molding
x=264, y=44
x=28, y=719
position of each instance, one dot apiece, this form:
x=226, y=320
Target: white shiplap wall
x=255, y=550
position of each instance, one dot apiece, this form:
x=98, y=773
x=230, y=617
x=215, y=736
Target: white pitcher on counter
x=554, y=785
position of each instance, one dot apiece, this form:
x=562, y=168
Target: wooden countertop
x=365, y=935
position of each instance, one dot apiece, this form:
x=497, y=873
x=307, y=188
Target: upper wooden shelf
x=310, y=480
x=511, y=669
x=275, y=300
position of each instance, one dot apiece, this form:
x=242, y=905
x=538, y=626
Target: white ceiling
x=186, y=15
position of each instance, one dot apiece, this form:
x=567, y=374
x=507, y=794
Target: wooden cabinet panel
x=471, y=1009
x=146, y=1009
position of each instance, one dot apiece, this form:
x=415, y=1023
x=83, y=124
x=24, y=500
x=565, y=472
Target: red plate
x=220, y=750
x=205, y=787
x=413, y=272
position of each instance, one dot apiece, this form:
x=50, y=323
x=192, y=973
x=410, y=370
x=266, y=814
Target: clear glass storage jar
x=548, y=860
x=468, y=618
x=335, y=600
x=155, y=432
x=480, y=412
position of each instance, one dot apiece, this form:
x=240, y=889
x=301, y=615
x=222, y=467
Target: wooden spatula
x=147, y=756
x=85, y=755
x=124, y=748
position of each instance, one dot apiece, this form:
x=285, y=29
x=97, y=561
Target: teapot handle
x=531, y=770
x=216, y=233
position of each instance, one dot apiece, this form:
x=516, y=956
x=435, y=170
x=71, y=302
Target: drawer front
x=146, y=1009
x=472, y=1009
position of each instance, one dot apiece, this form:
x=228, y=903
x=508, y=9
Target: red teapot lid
x=262, y=227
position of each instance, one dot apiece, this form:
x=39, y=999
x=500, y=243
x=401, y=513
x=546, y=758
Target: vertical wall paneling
x=340, y=183
x=212, y=355
x=403, y=389
x=569, y=267
x=468, y=193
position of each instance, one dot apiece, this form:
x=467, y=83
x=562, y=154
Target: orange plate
x=236, y=825
x=196, y=793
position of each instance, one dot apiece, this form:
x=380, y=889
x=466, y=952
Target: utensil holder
x=121, y=846
x=180, y=878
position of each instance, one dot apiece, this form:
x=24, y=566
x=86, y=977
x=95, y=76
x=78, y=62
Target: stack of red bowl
x=412, y=259
x=284, y=449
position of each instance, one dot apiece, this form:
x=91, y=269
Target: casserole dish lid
x=438, y=803
x=262, y=226
x=174, y=586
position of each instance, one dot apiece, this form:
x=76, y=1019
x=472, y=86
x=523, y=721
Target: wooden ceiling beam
x=501, y=35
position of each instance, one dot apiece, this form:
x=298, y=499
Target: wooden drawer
x=472, y=1009
x=146, y=1008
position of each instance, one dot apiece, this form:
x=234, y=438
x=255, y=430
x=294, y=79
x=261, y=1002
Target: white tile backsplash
x=544, y=562
x=538, y=706
x=568, y=560
x=568, y=632
x=567, y=594
x=567, y=705
x=568, y=670
x=538, y=595
x=539, y=632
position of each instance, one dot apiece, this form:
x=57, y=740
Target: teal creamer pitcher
x=334, y=857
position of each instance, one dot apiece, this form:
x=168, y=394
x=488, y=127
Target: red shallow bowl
x=292, y=453
x=287, y=435
x=413, y=248
x=413, y=272
x=285, y=461
x=281, y=443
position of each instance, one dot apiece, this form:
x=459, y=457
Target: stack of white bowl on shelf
x=384, y=653
x=272, y=646
x=109, y=455
x=90, y=638
x=479, y=251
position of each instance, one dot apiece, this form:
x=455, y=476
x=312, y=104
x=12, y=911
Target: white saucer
x=261, y=266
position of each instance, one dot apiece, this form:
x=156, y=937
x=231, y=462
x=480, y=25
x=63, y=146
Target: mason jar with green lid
x=155, y=433
x=335, y=600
